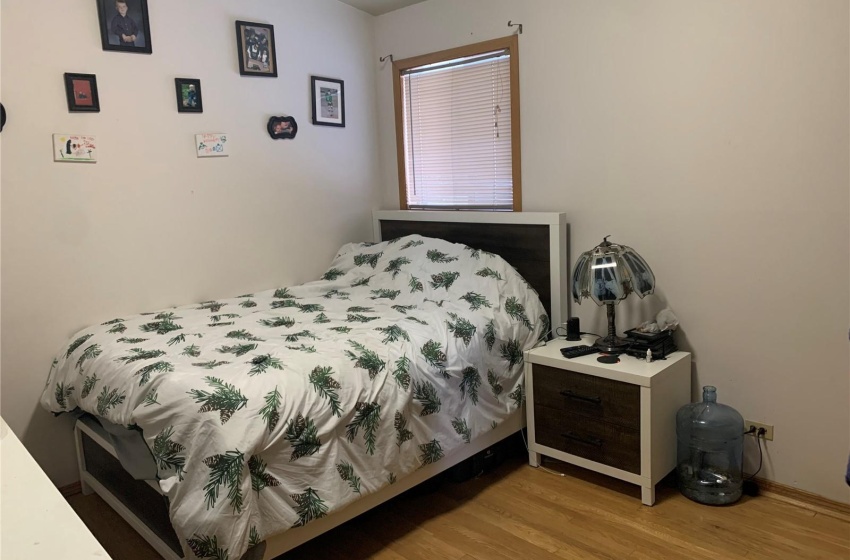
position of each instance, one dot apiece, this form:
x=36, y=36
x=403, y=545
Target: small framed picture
x=81, y=91
x=328, y=101
x=125, y=25
x=189, y=95
x=282, y=128
x=255, y=43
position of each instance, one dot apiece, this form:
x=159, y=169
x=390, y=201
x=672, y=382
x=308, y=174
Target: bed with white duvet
x=270, y=410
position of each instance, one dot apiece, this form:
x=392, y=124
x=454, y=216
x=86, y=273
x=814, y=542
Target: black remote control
x=580, y=350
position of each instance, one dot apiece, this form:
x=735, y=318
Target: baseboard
x=71, y=489
x=804, y=499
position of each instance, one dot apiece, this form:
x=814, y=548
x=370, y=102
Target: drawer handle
x=572, y=395
x=595, y=442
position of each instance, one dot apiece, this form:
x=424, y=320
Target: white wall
x=150, y=225
x=713, y=138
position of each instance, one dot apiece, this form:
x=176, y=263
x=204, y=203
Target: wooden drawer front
x=596, y=397
x=586, y=437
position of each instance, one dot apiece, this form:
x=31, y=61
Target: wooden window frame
x=511, y=44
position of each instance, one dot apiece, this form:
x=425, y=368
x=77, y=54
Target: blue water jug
x=710, y=450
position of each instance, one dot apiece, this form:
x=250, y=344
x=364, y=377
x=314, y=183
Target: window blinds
x=457, y=133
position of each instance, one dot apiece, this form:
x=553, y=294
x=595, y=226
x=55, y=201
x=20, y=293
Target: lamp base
x=612, y=344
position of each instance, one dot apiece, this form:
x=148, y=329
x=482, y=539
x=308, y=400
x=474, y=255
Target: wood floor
x=517, y=512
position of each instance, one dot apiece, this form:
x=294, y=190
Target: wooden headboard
x=534, y=243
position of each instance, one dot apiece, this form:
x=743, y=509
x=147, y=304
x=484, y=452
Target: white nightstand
x=616, y=419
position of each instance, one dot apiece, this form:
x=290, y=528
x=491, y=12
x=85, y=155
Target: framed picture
x=189, y=95
x=257, y=56
x=328, y=101
x=124, y=25
x=81, y=91
x=282, y=128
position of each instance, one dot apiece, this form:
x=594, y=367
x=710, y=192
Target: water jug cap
x=709, y=393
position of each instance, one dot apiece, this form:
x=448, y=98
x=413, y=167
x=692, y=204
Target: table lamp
x=606, y=274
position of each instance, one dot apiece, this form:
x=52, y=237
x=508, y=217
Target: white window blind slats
x=457, y=134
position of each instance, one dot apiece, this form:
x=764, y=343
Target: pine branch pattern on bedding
x=301, y=399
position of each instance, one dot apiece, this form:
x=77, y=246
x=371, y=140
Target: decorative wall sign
x=189, y=95
x=328, y=101
x=81, y=92
x=255, y=43
x=211, y=144
x=282, y=128
x=74, y=148
x=124, y=25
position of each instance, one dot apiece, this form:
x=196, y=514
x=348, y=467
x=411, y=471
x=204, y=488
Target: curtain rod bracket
x=384, y=58
x=512, y=24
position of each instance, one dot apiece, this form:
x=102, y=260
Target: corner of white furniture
x=42, y=524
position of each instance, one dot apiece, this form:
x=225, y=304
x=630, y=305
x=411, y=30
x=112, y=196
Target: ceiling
x=378, y=7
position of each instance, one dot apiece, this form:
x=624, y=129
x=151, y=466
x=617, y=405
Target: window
x=457, y=128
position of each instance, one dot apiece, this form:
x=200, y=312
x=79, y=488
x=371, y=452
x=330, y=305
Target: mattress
x=129, y=445
x=266, y=411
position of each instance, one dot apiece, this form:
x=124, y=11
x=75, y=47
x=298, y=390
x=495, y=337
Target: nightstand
x=616, y=419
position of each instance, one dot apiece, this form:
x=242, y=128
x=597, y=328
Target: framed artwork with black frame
x=125, y=25
x=328, y=101
x=282, y=128
x=189, y=98
x=81, y=91
x=257, y=54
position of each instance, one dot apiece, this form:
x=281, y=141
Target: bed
x=273, y=417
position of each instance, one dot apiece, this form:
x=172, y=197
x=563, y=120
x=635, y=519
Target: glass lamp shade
x=606, y=274
x=610, y=272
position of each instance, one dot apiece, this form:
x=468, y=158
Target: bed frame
x=535, y=243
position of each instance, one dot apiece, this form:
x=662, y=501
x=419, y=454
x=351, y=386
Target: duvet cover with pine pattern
x=269, y=410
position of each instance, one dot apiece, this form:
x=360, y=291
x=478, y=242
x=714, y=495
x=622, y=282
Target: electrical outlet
x=768, y=429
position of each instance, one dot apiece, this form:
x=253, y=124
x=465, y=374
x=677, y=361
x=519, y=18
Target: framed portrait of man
x=125, y=25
